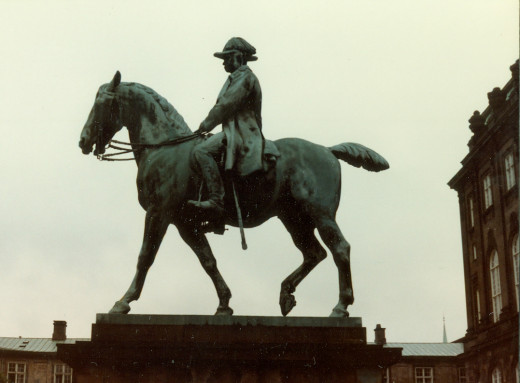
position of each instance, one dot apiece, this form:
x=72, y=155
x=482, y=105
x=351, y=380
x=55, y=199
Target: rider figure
x=238, y=109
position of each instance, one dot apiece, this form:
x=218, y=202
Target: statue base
x=200, y=348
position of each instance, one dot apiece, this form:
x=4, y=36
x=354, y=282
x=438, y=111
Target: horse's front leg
x=154, y=230
x=199, y=244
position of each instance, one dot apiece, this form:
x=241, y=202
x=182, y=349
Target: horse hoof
x=224, y=311
x=339, y=313
x=287, y=303
x=120, y=307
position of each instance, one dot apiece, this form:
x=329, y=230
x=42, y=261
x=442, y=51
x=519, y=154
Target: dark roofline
x=27, y=354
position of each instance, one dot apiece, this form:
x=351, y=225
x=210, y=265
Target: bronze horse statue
x=302, y=190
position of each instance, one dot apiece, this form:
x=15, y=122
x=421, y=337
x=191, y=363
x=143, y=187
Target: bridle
x=134, y=147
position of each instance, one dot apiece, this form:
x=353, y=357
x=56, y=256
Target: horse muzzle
x=84, y=146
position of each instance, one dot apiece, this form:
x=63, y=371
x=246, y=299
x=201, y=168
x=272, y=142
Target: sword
x=239, y=218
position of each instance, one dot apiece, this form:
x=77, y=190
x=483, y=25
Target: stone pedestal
x=238, y=349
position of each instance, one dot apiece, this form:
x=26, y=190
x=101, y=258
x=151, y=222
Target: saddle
x=271, y=154
x=269, y=158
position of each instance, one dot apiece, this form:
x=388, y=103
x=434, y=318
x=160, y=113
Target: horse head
x=104, y=120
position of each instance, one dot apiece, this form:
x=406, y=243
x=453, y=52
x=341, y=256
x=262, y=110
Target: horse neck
x=149, y=118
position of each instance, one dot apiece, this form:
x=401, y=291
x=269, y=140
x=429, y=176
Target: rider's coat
x=238, y=109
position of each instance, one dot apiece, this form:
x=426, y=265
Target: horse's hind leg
x=154, y=229
x=200, y=246
x=302, y=233
x=340, y=249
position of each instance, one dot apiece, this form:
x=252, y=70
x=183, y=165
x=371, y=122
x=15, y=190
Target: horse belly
x=257, y=195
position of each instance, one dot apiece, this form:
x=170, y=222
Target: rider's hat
x=238, y=45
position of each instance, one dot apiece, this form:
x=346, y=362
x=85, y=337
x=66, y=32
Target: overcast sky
x=401, y=77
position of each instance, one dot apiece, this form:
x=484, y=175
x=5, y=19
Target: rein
x=140, y=146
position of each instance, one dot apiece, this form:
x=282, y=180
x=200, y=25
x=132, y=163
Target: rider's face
x=232, y=62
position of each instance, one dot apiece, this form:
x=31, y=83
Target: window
x=462, y=375
x=496, y=376
x=510, y=171
x=386, y=376
x=471, y=213
x=474, y=253
x=16, y=372
x=488, y=195
x=496, y=295
x=423, y=375
x=516, y=250
x=477, y=305
x=62, y=373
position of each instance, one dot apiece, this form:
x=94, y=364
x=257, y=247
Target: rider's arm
x=230, y=101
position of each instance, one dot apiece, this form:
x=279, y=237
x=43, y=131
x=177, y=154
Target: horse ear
x=115, y=81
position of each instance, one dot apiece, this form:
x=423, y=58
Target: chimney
x=380, y=335
x=60, y=330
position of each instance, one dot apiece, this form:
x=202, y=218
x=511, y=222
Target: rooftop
x=429, y=349
x=33, y=344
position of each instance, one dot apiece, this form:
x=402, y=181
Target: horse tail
x=359, y=156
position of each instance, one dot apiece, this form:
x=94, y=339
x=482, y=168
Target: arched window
x=515, y=251
x=496, y=295
x=496, y=376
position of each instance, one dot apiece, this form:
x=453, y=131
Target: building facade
x=427, y=363
x=487, y=188
x=34, y=360
x=424, y=362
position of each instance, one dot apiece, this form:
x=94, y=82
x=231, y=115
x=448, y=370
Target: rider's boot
x=215, y=186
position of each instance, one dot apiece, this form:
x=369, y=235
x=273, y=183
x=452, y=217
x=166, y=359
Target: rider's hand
x=203, y=128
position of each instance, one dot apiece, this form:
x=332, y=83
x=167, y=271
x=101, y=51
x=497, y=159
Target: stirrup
x=208, y=206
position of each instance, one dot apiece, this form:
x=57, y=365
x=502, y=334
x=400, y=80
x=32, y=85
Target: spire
x=444, y=337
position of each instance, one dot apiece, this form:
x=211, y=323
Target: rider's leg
x=203, y=155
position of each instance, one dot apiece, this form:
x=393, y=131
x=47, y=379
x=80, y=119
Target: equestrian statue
x=201, y=182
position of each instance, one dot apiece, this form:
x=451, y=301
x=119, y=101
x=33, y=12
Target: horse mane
x=171, y=114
